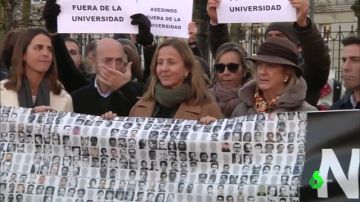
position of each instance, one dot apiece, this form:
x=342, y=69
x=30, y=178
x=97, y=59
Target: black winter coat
x=68, y=74
x=345, y=103
x=87, y=100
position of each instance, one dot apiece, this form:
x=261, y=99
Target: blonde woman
x=176, y=86
x=231, y=73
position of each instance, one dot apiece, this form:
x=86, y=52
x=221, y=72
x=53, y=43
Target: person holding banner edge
x=312, y=52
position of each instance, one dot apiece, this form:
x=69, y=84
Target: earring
x=286, y=79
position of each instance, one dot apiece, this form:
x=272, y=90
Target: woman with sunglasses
x=176, y=88
x=278, y=85
x=231, y=72
x=33, y=78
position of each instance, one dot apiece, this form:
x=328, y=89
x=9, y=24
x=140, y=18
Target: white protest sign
x=168, y=17
x=96, y=16
x=255, y=11
x=37, y=1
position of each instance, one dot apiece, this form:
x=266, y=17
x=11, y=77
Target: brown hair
x=68, y=39
x=133, y=57
x=90, y=47
x=350, y=40
x=7, y=47
x=199, y=93
x=18, y=65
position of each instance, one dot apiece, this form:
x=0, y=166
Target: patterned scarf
x=262, y=106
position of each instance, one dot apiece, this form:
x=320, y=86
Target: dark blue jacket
x=345, y=103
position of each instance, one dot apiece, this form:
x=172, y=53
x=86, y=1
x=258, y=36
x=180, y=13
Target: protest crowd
x=42, y=70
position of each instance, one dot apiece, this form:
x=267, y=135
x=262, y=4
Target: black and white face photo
x=253, y=158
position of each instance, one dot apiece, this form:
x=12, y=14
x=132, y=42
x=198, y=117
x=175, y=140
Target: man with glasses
x=113, y=90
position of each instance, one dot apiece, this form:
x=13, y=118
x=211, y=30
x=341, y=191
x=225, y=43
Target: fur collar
x=292, y=97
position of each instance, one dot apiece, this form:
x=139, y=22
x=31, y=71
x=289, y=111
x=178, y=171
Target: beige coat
x=61, y=102
x=145, y=108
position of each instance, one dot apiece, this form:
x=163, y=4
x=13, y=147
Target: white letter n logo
x=349, y=185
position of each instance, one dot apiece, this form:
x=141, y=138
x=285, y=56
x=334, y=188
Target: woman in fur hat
x=278, y=85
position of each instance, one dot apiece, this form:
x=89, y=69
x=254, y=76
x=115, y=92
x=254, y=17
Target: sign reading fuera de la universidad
x=94, y=16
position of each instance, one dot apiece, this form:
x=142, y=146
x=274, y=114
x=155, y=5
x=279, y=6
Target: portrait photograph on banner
x=179, y=101
x=62, y=155
x=59, y=156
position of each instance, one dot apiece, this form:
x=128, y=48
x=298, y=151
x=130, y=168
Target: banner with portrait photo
x=57, y=156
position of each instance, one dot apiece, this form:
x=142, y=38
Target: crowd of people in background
x=41, y=69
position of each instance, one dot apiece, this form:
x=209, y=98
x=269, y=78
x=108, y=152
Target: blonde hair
x=293, y=78
x=240, y=52
x=199, y=93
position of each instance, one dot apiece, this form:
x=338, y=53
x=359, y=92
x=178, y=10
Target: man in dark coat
x=112, y=89
x=350, y=74
x=315, y=57
x=68, y=73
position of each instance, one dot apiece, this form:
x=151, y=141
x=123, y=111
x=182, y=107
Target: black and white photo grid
x=58, y=156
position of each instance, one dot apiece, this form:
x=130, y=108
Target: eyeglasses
x=121, y=63
x=232, y=67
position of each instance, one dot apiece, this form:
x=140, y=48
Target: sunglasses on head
x=232, y=67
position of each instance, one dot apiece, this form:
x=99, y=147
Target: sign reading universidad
x=255, y=11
